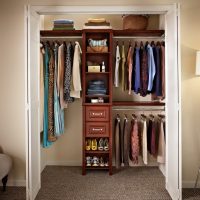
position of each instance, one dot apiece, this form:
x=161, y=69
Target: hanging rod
x=61, y=37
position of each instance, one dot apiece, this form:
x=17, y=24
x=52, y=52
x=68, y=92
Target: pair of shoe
x=95, y=162
x=103, y=144
x=92, y=161
x=103, y=163
x=91, y=144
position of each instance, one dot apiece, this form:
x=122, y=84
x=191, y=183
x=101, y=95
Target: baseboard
x=64, y=163
x=189, y=184
x=36, y=190
x=16, y=183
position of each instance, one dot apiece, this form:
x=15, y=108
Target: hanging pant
x=117, y=143
x=161, y=144
x=126, y=143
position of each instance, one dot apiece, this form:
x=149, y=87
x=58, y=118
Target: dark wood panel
x=97, y=129
x=130, y=32
x=94, y=113
x=138, y=103
x=55, y=33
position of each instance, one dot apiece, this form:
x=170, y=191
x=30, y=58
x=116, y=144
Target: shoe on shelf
x=106, y=164
x=88, y=161
x=94, y=144
x=106, y=144
x=101, y=162
x=88, y=144
x=95, y=161
x=100, y=144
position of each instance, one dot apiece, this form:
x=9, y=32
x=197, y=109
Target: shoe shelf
x=96, y=152
x=98, y=167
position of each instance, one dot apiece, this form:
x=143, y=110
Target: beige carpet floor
x=67, y=183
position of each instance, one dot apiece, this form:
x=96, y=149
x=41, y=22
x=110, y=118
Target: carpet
x=67, y=183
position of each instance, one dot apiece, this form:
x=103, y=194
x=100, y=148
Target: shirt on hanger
x=118, y=58
x=76, y=74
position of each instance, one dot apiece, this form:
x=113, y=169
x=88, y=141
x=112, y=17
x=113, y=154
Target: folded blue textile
x=63, y=21
x=97, y=82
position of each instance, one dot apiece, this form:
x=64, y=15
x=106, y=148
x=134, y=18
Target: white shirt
x=76, y=75
x=118, y=58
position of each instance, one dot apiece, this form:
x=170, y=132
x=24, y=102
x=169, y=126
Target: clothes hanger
x=152, y=43
x=122, y=42
x=117, y=43
x=134, y=116
x=125, y=116
x=130, y=43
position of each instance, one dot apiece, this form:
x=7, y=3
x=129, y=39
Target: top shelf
x=138, y=33
x=60, y=33
x=116, y=33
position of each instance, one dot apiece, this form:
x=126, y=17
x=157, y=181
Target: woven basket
x=97, y=49
x=135, y=22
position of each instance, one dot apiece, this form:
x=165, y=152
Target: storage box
x=94, y=68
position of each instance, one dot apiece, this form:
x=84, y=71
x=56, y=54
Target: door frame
x=132, y=9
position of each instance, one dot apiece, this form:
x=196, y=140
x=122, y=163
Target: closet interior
x=111, y=101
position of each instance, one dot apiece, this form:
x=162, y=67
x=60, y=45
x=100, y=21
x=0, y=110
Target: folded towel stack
x=100, y=23
x=63, y=24
x=96, y=87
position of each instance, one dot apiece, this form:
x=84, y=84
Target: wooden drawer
x=97, y=129
x=98, y=113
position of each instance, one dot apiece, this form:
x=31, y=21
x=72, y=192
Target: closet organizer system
x=97, y=116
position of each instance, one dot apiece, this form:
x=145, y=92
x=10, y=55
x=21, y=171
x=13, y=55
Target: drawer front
x=100, y=113
x=97, y=129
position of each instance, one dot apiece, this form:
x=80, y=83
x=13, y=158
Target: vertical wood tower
x=97, y=117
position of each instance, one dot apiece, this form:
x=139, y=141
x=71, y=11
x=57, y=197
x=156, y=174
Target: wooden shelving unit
x=97, y=117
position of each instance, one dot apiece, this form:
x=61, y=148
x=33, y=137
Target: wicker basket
x=97, y=49
x=135, y=22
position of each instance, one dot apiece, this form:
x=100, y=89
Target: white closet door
x=173, y=165
x=34, y=180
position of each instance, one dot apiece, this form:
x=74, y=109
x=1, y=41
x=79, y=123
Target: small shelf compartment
x=138, y=103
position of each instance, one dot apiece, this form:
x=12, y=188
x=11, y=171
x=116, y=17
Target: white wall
x=12, y=127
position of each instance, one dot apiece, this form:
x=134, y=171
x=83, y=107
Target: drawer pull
x=97, y=129
x=97, y=114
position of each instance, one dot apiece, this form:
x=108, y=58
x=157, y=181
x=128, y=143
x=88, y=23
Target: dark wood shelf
x=138, y=103
x=98, y=53
x=97, y=72
x=96, y=152
x=97, y=167
x=96, y=104
x=57, y=33
x=94, y=136
x=139, y=33
x=98, y=95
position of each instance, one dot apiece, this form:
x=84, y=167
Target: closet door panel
x=173, y=164
x=33, y=174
